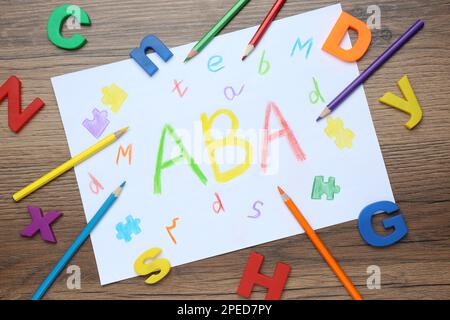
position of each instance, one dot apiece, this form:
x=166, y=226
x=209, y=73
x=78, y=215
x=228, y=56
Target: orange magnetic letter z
x=333, y=43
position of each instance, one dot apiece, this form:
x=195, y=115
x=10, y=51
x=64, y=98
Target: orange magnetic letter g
x=333, y=43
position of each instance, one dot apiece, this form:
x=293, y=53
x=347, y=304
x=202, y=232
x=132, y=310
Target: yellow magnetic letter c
x=230, y=140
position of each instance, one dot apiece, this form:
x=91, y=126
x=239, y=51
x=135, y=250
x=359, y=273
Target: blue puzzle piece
x=124, y=231
x=150, y=42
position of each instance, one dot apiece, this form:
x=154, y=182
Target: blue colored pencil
x=77, y=243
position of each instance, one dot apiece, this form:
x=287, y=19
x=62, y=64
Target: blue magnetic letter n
x=397, y=223
x=150, y=42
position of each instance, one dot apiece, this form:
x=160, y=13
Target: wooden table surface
x=418, y=267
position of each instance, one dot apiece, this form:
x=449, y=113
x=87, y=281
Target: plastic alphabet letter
x=158, y=268
x=41, y=223
x=55, y=22
x=150, y=42
x=397, y=223
x=333, y=43
x=410, y=105
x=251, y=277
x=17, y=117
x=184, y=155
x=284, y=132
x=230, y=140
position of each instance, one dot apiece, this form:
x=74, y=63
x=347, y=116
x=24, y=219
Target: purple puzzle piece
x=41, y=223
x=98, y=124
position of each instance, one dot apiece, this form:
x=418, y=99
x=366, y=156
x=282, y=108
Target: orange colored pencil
x=320, y=246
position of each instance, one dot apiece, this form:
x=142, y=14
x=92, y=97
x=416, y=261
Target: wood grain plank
x=417, y=161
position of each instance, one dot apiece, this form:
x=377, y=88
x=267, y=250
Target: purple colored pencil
x=393, y=48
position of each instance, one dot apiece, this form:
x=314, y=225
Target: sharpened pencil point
x=121, y=132
x=247, y=51
x=191, y=54
x=318, y=119
x=123, y=184
x=280, y=190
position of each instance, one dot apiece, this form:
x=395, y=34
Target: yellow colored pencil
x=66, y=166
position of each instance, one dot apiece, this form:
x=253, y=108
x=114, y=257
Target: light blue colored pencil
x=77, y=244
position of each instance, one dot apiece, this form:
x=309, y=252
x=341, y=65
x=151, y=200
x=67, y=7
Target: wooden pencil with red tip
x=263, y=27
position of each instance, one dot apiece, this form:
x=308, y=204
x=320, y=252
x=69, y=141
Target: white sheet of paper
x=200, y=232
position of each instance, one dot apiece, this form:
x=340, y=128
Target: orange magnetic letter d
x=333, y=43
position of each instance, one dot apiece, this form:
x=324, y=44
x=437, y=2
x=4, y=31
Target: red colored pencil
x=263, y=27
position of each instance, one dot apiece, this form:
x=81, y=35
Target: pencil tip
x=280, y=190
x=247, y=51
x=125, y=129
x=191, y=54
x=123, y=184
x=318, y=119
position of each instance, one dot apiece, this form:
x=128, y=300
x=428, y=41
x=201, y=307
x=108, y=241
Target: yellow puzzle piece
x=344, y=137
x=113, y=96
x=409, y=105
